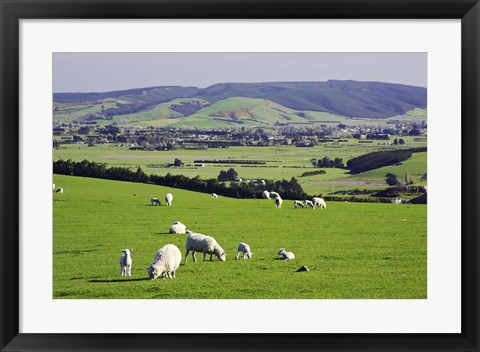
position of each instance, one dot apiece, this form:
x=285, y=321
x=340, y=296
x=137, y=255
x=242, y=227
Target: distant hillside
x=340, y=98
x=346, y=98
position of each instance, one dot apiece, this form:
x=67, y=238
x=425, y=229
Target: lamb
x=59, y=190
x=298, y=204
x=319, y=201
x=286, y=255
x=245, y=250
x=214, y=195
x=266, y=194
x=308, y=203
x=126, y=262
x=177, y=228
x=169, y=199
x=196, y=242
x=166, y=262
x=155, y=201
x=278, y=202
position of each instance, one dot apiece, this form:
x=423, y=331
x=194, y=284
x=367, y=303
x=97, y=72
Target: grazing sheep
x=166, y=262
x=274, y=195
x=177, y=228
x=319, y=201
x=214, y=195
x=278, y=202
x=155, y=201
x=196, y=242
x=126, y=262
x=308, y=203
x=266, y=194
x=169, y=199
x=59, y=190
x=286, y=255
x=245, y=250
x=297, y=204
x=396, y=200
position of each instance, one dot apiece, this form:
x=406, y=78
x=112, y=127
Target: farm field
x=282, y=162
x=353, y=250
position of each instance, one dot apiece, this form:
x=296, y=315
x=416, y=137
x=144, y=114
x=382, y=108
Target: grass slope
x=160, y=115
x=416, y=167
x=352, y=250
x=250, y=111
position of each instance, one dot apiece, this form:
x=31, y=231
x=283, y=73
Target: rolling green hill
x=244, y=103
x=255, y=112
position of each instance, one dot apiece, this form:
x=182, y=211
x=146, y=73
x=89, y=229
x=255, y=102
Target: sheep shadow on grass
x=121, y=280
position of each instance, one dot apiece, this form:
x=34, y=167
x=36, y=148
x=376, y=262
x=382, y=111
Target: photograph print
x=239, y=175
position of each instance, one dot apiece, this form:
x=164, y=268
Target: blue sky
x=99, y=72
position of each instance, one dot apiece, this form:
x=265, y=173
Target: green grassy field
x=353, y=250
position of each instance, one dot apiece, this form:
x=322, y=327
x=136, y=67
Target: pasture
x=353, y=250
x=281, y=162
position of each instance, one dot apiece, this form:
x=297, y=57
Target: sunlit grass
x=353, y=250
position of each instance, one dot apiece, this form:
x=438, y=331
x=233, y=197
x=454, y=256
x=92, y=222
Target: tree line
x=326, y=162
x=379, y=159
x=288, y=189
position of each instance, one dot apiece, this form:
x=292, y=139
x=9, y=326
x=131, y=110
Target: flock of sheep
x=316, y=201
x=168, y=258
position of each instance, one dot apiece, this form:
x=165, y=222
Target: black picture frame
x=12, y=11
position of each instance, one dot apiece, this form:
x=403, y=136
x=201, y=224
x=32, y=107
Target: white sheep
x=177, y=228
x=308, y=203
x=126, y=262
x=59, y=190
x=166, y=262
x=278, y=202
x=266, y=194
x=155, y=201
x=245, y=250
x=196, y=242
x=274, y=195
x=298, y=204
x=319, y=201
x=169, y=199
x=286, y=255
x=53, y=189
x=214, y=195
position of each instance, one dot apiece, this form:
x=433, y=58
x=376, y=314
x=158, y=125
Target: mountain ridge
x=350, y=98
